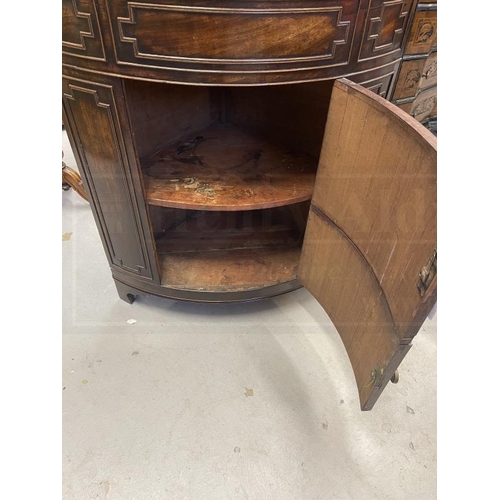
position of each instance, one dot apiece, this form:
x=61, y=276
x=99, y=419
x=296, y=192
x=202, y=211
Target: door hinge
x=427, y=274
x=377, y=374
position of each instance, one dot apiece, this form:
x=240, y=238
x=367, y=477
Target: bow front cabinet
x=236, y=150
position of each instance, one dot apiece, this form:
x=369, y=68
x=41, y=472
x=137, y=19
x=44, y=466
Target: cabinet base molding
x=128, y=292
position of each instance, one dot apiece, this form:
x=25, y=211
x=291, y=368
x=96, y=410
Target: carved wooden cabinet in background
x=220, y=166
x=416, y=86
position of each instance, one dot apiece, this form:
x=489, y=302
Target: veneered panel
x=159, y=32
x=95, y=131
x=81, y=32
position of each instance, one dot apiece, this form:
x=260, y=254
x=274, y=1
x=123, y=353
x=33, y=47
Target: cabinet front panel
x=96, y=134
x=81, y=32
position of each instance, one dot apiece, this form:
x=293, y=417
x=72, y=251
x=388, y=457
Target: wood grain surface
x=371, y=231
x=179, y=230
x=234, y=42
x=225, y=168
x=100, y=137
x=234, y=270
x=230, y=251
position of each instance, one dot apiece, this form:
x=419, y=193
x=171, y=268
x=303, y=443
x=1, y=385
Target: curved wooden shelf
x=237, y=270
x=231, y=252
x=226, y=168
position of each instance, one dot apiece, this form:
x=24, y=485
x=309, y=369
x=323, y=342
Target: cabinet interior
x=228, y=174
x=228, y=251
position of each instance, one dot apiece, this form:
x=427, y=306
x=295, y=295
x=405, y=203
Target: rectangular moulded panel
x=384, y=28
x=115, y=192
x=81, y=32
x=164, y=33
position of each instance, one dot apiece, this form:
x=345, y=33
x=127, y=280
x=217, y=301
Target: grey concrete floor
x=242, y=401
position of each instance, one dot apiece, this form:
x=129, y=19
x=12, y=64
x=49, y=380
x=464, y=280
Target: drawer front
x=423, y=33
x=259, y=41
x=81, y=32
x=162, y=33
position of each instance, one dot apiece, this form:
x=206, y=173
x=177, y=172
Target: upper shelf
x=225, y=168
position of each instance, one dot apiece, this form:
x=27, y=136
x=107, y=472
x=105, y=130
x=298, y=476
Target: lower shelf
x=229, y=270
x=221, y=252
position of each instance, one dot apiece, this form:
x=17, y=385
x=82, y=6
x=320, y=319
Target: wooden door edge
x=420, y=133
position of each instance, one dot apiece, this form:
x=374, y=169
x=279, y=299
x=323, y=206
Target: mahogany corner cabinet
x=236, y=150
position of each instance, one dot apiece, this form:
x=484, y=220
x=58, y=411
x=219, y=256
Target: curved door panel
x=369, y=254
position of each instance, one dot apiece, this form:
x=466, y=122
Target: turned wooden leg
x=72, y=179
x=125, y=292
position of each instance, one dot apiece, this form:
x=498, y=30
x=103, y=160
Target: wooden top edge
x=425, y=136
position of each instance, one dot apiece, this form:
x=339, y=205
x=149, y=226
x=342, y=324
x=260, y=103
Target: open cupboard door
x=369, y=253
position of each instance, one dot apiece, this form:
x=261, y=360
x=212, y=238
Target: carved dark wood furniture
x=220, y=166
x=416, y=86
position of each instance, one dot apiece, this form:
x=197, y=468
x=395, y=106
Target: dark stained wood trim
x=144, y=288
x=227, y=79
x=95, y=34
